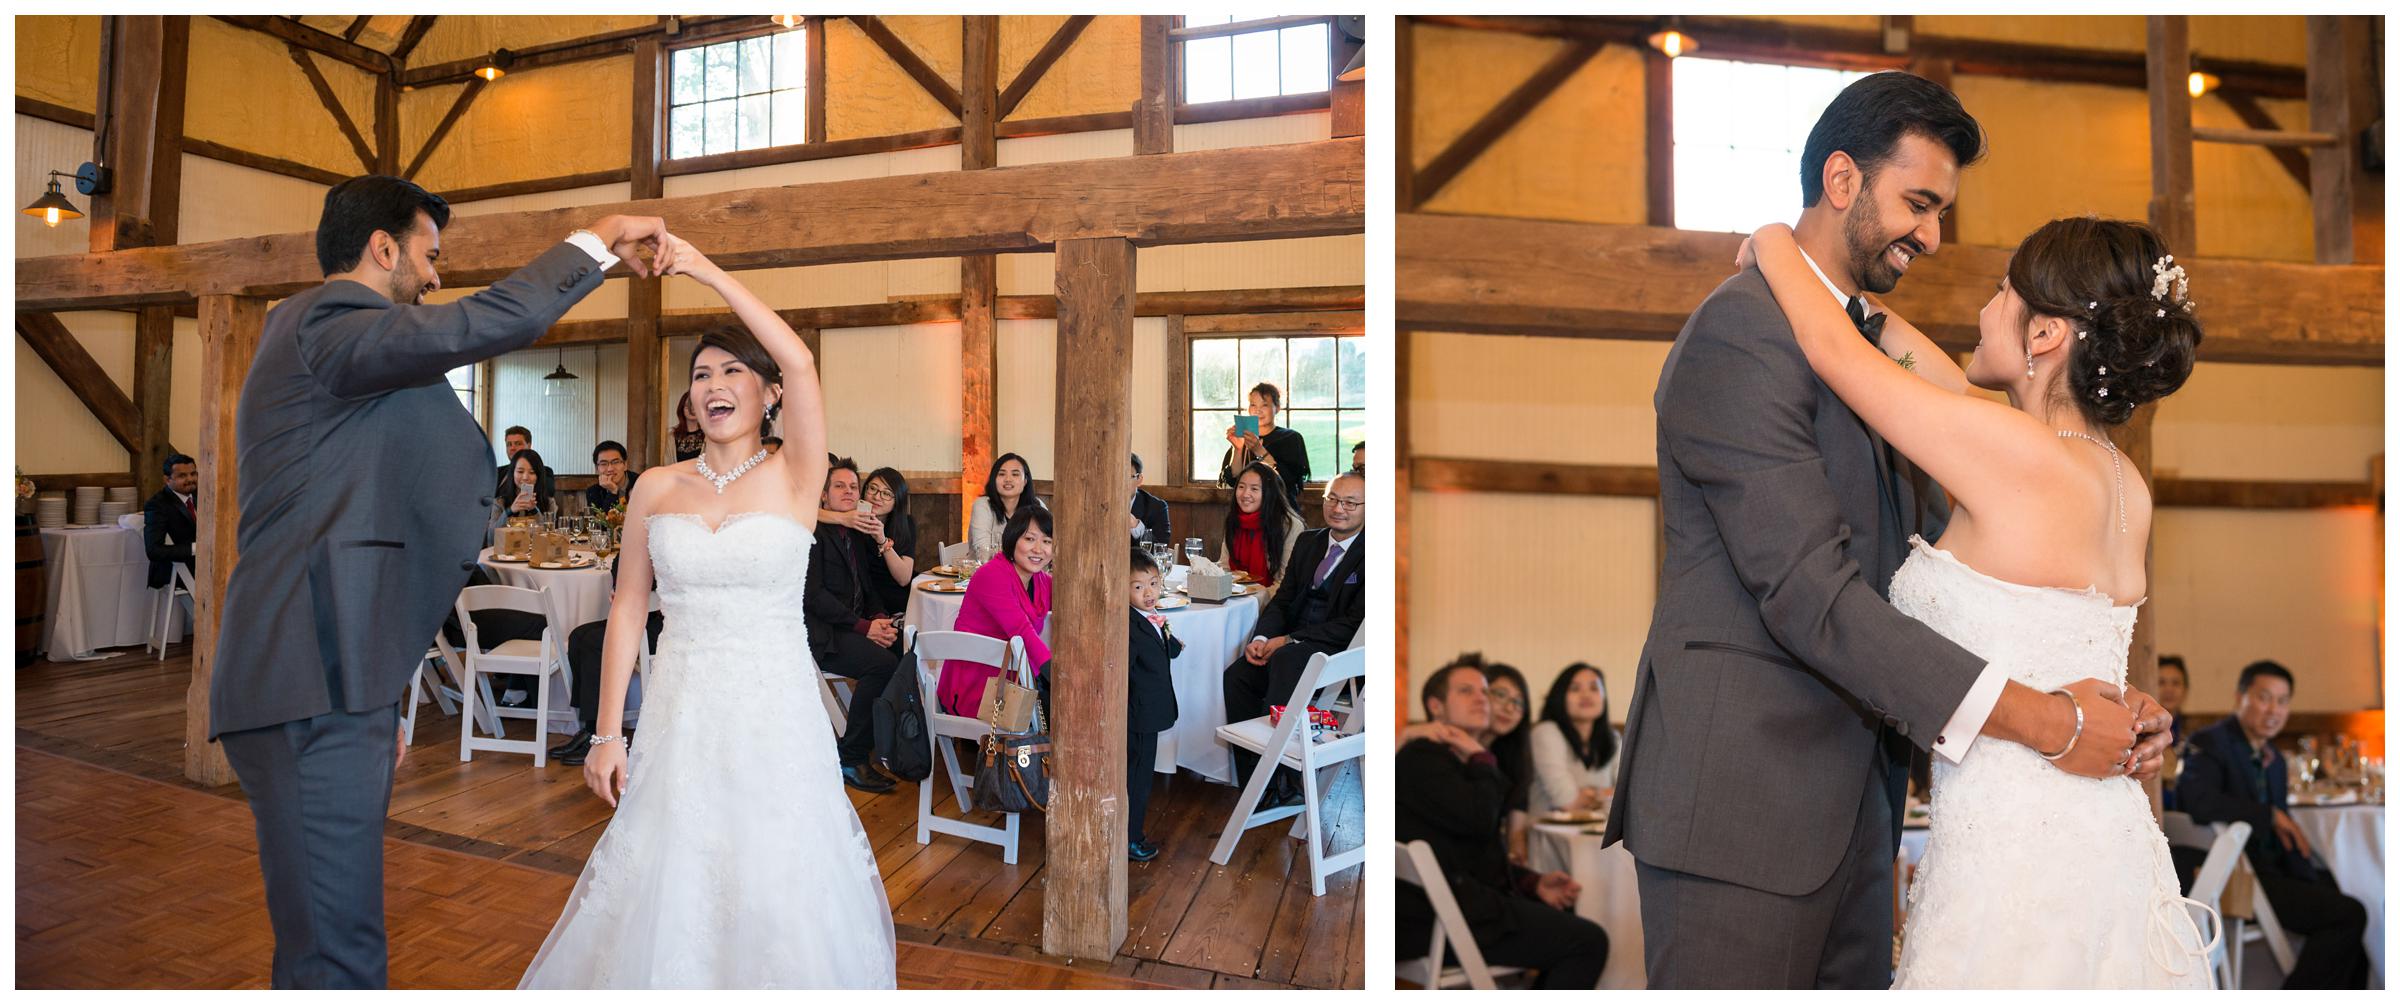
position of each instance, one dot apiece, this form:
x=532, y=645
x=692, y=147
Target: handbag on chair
x=1013, y=773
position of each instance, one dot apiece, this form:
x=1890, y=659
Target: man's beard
x=1867, y=264
x=406, y=288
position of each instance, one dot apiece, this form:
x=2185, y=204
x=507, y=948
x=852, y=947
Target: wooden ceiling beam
x=76, y=368
x=2255, y=116
x=333, y=105
x=1299, y=308
x=457, y=108
x=1245, y=194
x=909, y=62
x=357, y=24
x=1640, y=481
x=1502, y=117
x=1060, y=41
x=324, y=43
x=415, y=33
x=1579, y=280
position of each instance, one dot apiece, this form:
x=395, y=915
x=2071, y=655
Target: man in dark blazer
x=1150, y=521
x=171, y=521
x=2232, y=771
x=1317, y=609
x=1149, y=699
x=1780, y=696
x=363, y=501
x=1452, y=795
x=847, y=626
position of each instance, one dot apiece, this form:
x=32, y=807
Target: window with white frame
x=567, y=416
x=739, y=95
x=1739, y=131
x=1324, y=384
x=464, y=381
x=1276, y=58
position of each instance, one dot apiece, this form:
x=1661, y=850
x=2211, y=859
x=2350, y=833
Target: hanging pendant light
x=788, y=21
x=555, y=380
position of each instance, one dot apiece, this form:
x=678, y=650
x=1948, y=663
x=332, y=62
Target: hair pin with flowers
x=2171, y=286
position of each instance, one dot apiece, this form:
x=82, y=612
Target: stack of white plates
x=122, y=494
x=111, y=510
x=87, y=505
x=50, y=510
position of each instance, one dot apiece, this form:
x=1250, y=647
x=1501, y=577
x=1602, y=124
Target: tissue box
x=1214, y=589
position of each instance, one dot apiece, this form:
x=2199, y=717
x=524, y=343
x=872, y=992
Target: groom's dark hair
x=1868, y=118
x=356, y=209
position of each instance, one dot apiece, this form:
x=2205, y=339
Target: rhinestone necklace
x=720, y=481
x=2114, y=458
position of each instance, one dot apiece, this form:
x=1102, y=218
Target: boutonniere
x=1907, y=361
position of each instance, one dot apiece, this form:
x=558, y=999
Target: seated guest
x=774, y=444
x=2232, y=771
x=847, y=626
x=1509, y=738
x=1574, y=748
x=2174, y=683
x=615, y=481
x=1149, y=698
x=584, y=648
x=1358, y=458
x=1259, y=529
x=1150, y=522
x=895, y=534
x=1452, y=796
x=1317, y=610
x=171, y=521
x=689, y=438
x=519, y=441
x=1280, y=448
x=1005, y=599
x=529, y=489
x=1006, y=489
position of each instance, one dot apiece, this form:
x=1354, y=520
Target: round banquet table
x=577, y=596
x=2350, y=840
x=1213, y=636
x=100, y=595
x=1611, y=894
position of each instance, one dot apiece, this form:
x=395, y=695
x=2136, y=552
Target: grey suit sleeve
x=1738, y=417
x=355, y=353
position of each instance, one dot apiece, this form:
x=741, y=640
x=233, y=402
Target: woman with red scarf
x=1259, y=528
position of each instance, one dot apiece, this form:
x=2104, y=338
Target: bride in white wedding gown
x=735, y=859
x=2032, y=877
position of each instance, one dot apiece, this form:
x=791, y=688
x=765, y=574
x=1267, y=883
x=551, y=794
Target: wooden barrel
x=33, y=581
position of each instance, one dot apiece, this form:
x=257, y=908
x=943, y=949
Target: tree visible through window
x=1255, y=64
x=739, y=95
x=1324, y=384
x=1739, y=130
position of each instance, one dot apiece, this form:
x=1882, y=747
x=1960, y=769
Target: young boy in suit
x=1149, y=695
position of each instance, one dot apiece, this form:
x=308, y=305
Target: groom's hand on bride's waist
x=2107, y=739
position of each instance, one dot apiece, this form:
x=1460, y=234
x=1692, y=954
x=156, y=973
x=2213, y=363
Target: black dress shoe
x=1279, y=796
x=575, y=747
x=1141, y=851
x=864, y=779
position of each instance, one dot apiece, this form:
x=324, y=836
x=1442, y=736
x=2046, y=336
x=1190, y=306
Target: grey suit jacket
x=364, y=488
x=1776, y=674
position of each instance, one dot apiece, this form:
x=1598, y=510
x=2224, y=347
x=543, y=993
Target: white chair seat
x=542, y=658
x=932, y=648
x=516, y=649
x=1325, y=679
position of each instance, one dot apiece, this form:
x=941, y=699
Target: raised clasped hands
x=627, y=235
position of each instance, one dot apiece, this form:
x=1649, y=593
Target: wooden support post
x=1154, y=111
x=142, y=131
x=1658, y=120
x=153, y=387
x=1940, y=72
x=1402, y=485
x=1179, y=418
x=2330, y=190
x=229, y=333
x=1404, y=114
x=1083, y=889
x=644, y=297
x=2172, y=206
x=978, y=275
x=979, y=103
x=387, y=125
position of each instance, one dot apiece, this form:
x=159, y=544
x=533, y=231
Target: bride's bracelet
x=598, y=740
x=2063, y=751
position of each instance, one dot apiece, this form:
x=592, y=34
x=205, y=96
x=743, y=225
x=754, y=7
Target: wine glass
x=1191, y=549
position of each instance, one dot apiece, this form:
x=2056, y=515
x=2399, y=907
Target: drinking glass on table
x=1191, y=549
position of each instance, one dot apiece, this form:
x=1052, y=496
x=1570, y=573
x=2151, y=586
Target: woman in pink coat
x=1008, y=597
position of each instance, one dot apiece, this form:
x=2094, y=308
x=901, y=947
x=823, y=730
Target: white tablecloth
x=1212, y=634
x=577, y=596
x=1611, y=894
x=2350, y=840
x=100, y=596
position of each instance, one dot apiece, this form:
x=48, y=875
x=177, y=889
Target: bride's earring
x=2029, y=362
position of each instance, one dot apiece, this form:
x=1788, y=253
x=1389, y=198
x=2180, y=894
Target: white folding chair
x=952, y=554
x=1287, y=743
x=163, y=602
x=835, y=690
x=932, y=648
x=1414, y=863
x=2224, y=846
x=430, y=678
x=541, y=658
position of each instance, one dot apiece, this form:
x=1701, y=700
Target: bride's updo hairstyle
x=2135, y=334
x=736, y=341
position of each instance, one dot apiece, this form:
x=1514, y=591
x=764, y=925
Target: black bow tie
x=1870, y=326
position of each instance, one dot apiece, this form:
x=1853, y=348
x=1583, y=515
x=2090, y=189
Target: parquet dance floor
x=117, y=852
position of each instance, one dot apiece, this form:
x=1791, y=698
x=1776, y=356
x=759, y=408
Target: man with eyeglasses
x=1316, y=611
x=2232, y=771
x=616, y=477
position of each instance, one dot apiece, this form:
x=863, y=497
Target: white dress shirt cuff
x=590, y=243
x=1973, y=711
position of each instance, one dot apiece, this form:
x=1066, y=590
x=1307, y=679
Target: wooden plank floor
x=1249, y=923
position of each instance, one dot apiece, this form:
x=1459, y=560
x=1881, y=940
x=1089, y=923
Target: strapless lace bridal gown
x=735, y=859
x=2034, y=877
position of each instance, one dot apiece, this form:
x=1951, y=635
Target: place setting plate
x=511, y=559
x=951, y=571
x=572, y=562
x=1174, y=602
x=943, y=586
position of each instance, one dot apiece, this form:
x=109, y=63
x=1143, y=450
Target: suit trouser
x=1570, y=950
x=319, y=789
x=2333, y=953
x=1141, y=771
x=584, y=649
x=869, y=667
x=1250, y=688
x=1706, y=933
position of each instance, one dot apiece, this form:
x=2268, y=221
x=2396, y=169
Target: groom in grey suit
x=363, y=499
x=1780, y=696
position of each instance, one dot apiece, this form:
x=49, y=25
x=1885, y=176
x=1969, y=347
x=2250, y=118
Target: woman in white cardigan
x=1008, y=486
x=1574, y=748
